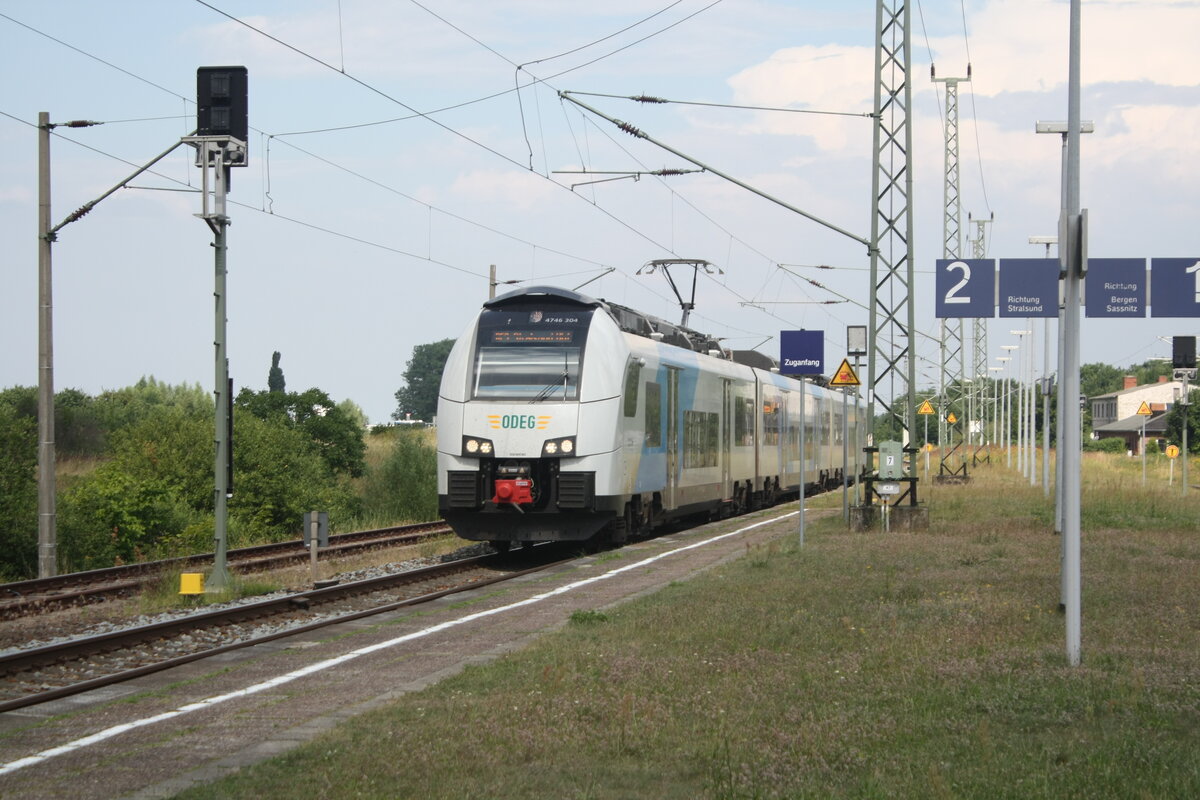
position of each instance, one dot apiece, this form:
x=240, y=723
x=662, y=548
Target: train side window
x=653, y=415
x=632, y=372
x=701, y=438
x=743, y=430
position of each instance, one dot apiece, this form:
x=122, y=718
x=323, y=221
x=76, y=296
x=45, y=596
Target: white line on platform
x=108, y=733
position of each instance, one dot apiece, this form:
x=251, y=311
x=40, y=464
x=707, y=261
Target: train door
x=726, y=437
x=672, y=435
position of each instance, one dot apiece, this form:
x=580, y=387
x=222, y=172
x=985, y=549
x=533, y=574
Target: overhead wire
x=975, y=115
x=736, y=106
x=415, y=113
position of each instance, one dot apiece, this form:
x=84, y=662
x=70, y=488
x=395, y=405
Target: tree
x=281, y=473
x=337, y=436
x=79, y=429
x=354, y=411
x=275, y=381
x=1097, y=379
x=1175, y=418
x=18, y=494
x=422, y=379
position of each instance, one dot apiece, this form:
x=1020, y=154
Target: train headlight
x=559, y=447
x=475, y=446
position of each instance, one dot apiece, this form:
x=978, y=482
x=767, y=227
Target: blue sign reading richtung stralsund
x=1028, y=287
x=802, y=352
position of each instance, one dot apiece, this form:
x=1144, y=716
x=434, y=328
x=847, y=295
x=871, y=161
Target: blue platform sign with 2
x=1116, y=287
x=1029, y=287
x=1175, y=287
x=965, y=287
x=802, y=352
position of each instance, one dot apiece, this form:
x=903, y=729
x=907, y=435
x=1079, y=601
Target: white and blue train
x=563, y=417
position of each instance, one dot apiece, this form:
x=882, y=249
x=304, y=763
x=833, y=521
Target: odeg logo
x=519, y=421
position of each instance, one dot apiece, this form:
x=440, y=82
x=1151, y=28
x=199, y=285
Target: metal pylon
x=891, y=368
x=952, y=442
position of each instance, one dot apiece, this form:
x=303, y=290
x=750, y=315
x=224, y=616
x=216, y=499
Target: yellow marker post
x=191, y=583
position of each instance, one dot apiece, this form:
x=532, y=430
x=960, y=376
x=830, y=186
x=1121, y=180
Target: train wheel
x=501, y=546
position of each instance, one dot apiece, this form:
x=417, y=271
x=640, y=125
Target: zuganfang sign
x=802, y=352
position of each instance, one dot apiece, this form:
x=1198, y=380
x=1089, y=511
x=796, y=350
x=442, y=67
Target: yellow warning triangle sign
x=926, y=408
x=844, y=376
x=1144, y=410
x=953, y=420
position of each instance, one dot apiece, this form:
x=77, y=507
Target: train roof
x=636, y=322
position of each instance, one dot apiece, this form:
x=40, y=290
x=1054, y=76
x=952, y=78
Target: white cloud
x=509, y=189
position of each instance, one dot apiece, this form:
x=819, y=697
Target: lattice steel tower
x=891, y=366
x=980, y=395
x=953, y=367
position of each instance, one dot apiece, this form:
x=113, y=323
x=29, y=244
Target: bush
x=18, y=495
x=404, y=486
x=279, y=474
x=113, y=517
x=1111, y=445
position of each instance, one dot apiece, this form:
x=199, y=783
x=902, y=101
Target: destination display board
x=1175, y=287
x=1115, y=287
x=966, y=287
x=1028, y=287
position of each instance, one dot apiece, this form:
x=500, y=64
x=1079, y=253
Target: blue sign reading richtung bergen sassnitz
x=1174, y=287
x=802, y=352
x=1115, y=287
x=1028, y=287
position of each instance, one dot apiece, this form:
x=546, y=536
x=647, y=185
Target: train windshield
x=532, y=355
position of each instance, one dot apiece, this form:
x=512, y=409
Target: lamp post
x=995, y=404
x=1009, y=348
x=1006, y=403
x=1047, y=381
x=1024, y=455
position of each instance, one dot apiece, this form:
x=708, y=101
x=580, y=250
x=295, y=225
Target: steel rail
x=27, y=660
x=79, y=587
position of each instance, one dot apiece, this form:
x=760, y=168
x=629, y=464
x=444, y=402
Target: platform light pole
x=1047, y=379
x=1008, y=348
x=1025, y=364
x=995, y=403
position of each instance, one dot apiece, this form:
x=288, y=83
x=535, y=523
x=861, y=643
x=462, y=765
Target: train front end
x=526, y=445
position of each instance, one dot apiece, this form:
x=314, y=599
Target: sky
x=397, y=149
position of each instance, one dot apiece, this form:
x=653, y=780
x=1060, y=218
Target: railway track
x=39, y=595
x=36, y=675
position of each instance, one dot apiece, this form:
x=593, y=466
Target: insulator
x=645, y=98
x=81, y=211
x=630, y=129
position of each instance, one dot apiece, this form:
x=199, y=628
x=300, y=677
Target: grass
x=163, y=594
x=927, y=664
